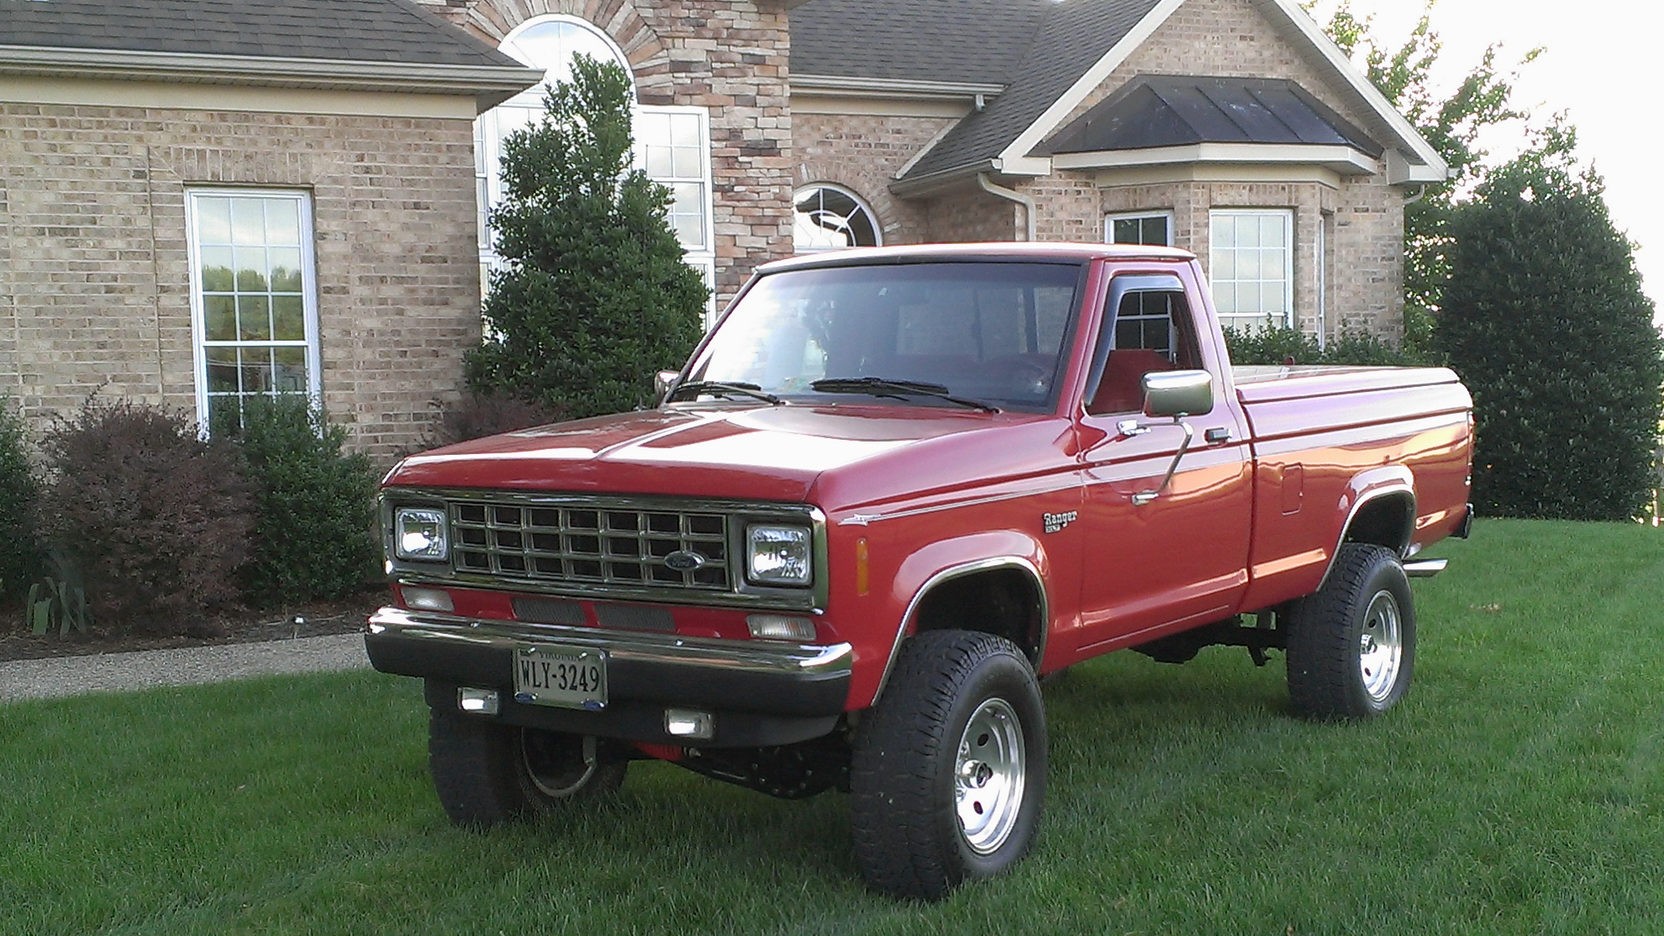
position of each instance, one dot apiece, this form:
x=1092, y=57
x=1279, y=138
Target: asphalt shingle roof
x=951, y=41
x=1038, y=50
x=366, y=31
x=1171, y=110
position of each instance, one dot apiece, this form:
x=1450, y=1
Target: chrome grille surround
x=605, y=547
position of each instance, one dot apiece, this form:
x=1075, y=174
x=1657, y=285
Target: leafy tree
x=595, y=297
x=1546, y=321
x=1452, y=124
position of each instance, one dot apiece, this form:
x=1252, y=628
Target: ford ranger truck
x=891, y=491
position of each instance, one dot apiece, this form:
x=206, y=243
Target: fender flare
x=948, y=560
x=1365, y=488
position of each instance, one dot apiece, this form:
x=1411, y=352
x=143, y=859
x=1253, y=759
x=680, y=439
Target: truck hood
x=772, y=453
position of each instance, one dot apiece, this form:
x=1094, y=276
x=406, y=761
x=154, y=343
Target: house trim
x=891, y=87
x=1343, y=160
x=105, y=92
x=489, y=85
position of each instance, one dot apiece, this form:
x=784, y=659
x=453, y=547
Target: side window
x=1150, y=330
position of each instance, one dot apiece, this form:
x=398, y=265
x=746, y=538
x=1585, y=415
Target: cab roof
x=964, y=253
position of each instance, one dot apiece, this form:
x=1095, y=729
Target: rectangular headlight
x=421, y=533
x=776, y=554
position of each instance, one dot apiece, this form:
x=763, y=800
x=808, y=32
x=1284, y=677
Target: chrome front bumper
x=761, y=692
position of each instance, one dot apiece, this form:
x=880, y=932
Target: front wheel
x=948, y=771
x=1352, y=645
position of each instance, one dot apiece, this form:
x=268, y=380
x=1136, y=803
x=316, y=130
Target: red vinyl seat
x=1122, y=388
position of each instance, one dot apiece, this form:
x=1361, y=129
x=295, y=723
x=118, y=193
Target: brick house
x=204, y=199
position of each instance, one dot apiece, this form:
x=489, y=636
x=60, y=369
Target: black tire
x=1340, y=658
x=905, y=773
x=488, y=773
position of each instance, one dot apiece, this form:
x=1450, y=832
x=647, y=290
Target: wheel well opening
x=1385, y=521
x=1004, y=602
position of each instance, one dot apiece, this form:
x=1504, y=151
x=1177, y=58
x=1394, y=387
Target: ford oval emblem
x=683, y=560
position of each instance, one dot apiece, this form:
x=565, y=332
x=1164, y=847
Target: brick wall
x=966, y=213
x=94, y=262
x=726, y=55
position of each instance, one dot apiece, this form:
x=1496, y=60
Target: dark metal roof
x=948, y=41
x=363, y=31
x=1172, y=110
x=1073, y=35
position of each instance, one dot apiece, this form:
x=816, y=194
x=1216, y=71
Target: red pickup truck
x=890, y=492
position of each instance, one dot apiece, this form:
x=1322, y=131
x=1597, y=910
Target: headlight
x=778, y=555
x=421, y=533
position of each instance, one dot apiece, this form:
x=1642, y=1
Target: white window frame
x=309, y=293
x=1253, y=320
x=1110, y=219
x=860, y=205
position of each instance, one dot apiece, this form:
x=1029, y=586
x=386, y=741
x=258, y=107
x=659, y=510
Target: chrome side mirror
x=663, y=381
x=1178, y=393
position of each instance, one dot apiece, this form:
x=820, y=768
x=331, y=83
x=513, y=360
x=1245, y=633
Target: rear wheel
x=1351, y=646
x=486, y=773
x=949, y=767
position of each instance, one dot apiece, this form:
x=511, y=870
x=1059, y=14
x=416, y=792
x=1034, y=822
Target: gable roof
x=1071, y=38
x=1172, y=110
x=395, y=44
x=1046, y=58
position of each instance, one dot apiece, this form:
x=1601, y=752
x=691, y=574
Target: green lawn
x=1517, y=790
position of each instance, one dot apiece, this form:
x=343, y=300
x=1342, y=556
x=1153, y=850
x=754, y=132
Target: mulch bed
x=310, y=619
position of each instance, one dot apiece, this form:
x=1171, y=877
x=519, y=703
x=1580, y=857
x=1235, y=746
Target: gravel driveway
x=183, y=666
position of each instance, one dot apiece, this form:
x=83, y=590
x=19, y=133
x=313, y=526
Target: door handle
x=1217, y=435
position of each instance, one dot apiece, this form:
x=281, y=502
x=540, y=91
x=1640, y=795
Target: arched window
x=829, y=217
x=672, y=144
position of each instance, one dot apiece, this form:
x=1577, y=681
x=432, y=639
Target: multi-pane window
x=1148, y=228
x=672, y=144
x=826, y=217
x=671, y=147
x=1251, y=255
x=253, y=297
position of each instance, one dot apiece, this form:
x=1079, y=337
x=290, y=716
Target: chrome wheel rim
x=1381, y=646
x=989, y=776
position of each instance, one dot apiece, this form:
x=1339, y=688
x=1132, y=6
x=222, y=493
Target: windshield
x=986, y=332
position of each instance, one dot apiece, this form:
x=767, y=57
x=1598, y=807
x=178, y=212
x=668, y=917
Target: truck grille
x=590, y=545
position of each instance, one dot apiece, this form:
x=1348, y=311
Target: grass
x=1518, y=789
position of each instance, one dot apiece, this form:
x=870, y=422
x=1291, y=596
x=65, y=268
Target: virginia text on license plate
x=567, y=677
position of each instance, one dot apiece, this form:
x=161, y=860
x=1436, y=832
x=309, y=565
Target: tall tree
x=1545, y=319
x=595, y=297
x=1453, y=123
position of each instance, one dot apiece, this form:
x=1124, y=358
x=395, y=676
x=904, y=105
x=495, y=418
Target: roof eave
x=937, y=179
x=1344, y=160
x=489, y=85
x=892, y=87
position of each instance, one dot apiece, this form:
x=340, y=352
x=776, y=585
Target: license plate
x=565, y=677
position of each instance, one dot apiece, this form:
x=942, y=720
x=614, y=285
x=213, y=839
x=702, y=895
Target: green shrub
x=153, y=520
x=477, y=415
x=20, y=552
x=1279, y=344
x=1546, y=321
x=315, y=505
x=598, y=298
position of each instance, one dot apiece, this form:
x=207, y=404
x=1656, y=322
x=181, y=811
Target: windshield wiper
x=895, y=389
x=722, y=389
